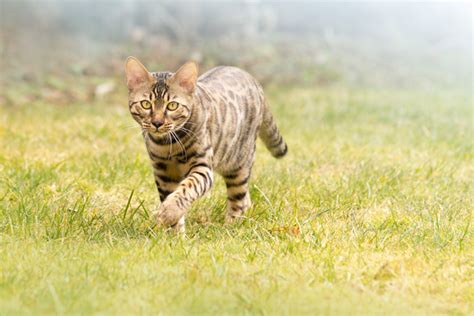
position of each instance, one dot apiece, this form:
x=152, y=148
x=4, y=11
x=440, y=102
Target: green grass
x=370, y=213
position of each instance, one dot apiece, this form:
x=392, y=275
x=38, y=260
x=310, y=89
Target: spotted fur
x=214, y=129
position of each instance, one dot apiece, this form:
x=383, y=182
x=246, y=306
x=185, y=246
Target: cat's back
x=235, y=105
x=230, y=78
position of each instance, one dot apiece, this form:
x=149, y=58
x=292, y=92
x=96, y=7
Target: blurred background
x=73, y=51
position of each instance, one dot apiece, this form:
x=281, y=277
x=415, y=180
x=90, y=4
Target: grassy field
x=370, y=213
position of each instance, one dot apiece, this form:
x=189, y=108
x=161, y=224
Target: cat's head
x=160, y=102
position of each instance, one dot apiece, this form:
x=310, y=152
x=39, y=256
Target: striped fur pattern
x=194, y=127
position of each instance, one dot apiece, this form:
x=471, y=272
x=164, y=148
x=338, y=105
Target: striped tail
x=270, y=135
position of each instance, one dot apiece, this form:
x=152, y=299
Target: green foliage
x=370, y=212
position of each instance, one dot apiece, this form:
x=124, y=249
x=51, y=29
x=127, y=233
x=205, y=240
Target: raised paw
x=169, y=214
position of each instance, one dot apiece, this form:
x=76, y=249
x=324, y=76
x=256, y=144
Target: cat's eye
x=146, y=104
x=172, y=106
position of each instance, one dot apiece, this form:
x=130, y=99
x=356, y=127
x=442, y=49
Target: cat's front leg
x=166, y=185
x=196, y=183
x=170, y=214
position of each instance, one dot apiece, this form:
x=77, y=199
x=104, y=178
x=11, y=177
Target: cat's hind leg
x=238, y=197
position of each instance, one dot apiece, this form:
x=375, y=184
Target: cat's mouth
x=168, y=130
x=160, y=132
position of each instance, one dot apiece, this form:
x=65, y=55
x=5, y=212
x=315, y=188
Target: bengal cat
x=194, y=126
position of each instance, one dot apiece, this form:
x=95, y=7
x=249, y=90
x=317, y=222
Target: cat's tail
x=270, y=135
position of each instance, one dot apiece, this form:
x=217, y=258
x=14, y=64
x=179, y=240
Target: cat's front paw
x=169, y=214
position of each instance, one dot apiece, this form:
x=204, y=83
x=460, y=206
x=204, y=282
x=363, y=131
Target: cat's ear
x=136, y=73
x=186, y=76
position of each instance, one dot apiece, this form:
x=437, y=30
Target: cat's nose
x=157, y=123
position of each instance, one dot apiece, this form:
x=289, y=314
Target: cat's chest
x=176, y=166
x=165, y=151
x=175, y=169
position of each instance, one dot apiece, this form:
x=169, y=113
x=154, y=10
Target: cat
x=194, y=126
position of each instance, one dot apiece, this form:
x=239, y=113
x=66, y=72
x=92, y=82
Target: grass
x=370, y=213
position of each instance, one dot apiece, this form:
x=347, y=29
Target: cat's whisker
x=172, y=136
x=191, y=123
x=168, y=136
x=188, y=131
x=127, y=126
x=180, y=144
